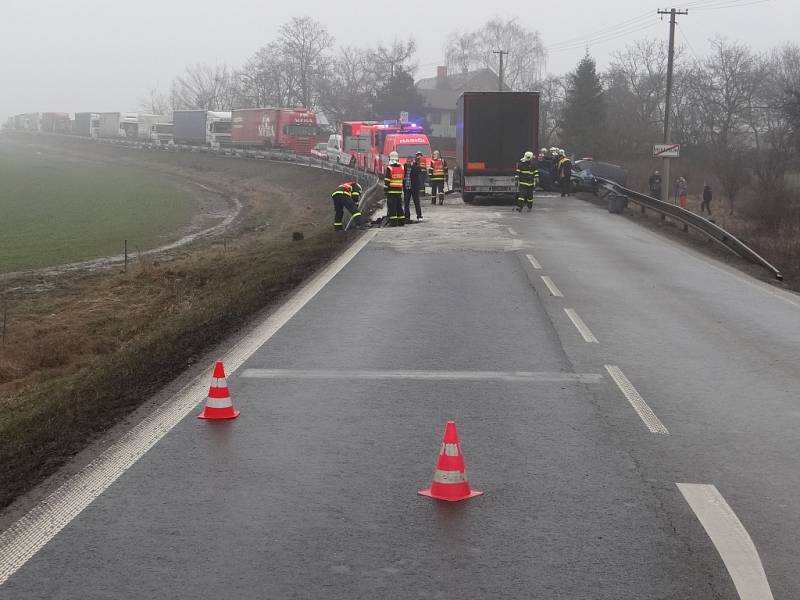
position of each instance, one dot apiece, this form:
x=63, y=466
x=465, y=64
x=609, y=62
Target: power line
x=600, y=40
x=611, y=29
x=731, y=4
x=688, y=43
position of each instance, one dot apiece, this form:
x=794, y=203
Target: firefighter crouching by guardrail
x=346, y=196
x=393, y=188
x=527, y=178
x=437, y=175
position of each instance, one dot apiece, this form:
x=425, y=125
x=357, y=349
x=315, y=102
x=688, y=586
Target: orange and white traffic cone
x=449, y=480
x=218, y=404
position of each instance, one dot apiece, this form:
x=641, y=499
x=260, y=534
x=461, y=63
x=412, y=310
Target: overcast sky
x=103, y=55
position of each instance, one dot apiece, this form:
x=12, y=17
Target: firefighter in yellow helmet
x=527, y=178
x=393, y=188
x=437, y=175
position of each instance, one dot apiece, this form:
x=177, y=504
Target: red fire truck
x=283, y=128
x=370, y=142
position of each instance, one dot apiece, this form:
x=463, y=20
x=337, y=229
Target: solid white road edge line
x=641, y=407
x=552, y=287
x=731, y=539
x=582, y=328
x=512, y=231
x=41, y=524
x=412, y=375
x=533, y=261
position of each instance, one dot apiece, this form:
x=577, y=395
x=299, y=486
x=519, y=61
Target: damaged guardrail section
x=689, y=219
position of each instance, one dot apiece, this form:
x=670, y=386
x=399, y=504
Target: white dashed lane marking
x=641, y=407
x=533, y=261
x=552, y=287
x=731, y=539
x=582, y=328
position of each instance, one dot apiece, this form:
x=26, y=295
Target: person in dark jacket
x=565, y=174
x=706, y=203
x=413, y=180
x=654, y=183
x=346, y=196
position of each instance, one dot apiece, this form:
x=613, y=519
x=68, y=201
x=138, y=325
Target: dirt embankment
x=84, y=347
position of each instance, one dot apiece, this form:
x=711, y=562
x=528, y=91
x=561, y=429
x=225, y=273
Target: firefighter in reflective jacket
x=346, y=196
x=437, y=175
x=393, y=188
x=527, y=178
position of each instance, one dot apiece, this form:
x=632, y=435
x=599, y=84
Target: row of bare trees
x=299, y=68
x=302, y=66
x=734, y=109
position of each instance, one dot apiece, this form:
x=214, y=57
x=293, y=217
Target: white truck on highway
x=202, y=127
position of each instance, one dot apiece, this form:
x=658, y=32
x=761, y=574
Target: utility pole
x=500, y=81
x=665, y=180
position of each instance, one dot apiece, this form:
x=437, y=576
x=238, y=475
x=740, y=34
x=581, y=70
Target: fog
x=93, y=55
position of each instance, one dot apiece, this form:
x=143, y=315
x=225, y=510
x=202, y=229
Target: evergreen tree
x=584, y=116
x=399, y=94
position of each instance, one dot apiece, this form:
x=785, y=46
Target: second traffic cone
x=449, y=480
x=218, y=404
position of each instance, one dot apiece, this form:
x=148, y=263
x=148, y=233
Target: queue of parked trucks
x=493, y=130
x=362, y=144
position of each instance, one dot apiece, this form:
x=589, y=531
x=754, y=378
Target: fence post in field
x=126, y=256
x=5, y=319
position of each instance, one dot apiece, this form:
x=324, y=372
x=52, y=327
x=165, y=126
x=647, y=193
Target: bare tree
x=156, y=102
x=770, y=126
x=304, y=42
x=722, y=89
x=635, y=83
x=203, y=86
x=526, y=54
x=349, y=91
x=268, y=79
x=461, y=52
x=522, y=68
x=388, y=61
x=552, y=90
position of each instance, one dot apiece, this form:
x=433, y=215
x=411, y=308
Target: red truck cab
x=282, y=128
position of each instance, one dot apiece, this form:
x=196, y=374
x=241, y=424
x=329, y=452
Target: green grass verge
x=55, y=210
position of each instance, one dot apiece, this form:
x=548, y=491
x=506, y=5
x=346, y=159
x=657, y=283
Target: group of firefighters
x=404, y=183
x=557, y=164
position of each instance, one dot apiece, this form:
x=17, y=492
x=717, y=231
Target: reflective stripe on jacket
x=438, y=170
x=393, y=179
x=527, y=173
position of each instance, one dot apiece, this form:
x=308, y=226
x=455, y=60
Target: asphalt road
x=311, y=493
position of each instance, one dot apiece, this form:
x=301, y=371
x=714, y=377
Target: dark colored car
x=585, y=170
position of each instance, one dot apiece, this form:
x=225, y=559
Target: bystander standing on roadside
x=413, y=180
x=706, y=204
x=682, y=191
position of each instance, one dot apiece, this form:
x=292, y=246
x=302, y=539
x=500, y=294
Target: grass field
x=56, y=210
x=90, y=346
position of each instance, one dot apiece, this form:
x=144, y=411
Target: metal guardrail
x=689, y=219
